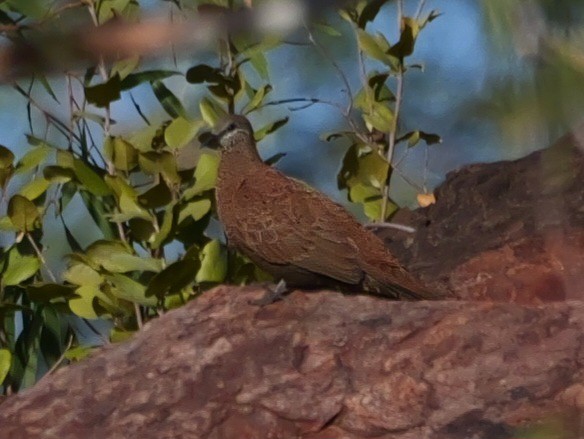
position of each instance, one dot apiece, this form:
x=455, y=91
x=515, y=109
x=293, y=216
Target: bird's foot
x=273, y=294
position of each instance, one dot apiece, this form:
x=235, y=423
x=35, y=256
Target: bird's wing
x=286, y=222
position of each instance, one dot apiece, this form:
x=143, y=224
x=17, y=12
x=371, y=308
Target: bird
x=294, y=232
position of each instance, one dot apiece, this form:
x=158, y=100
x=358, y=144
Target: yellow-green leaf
x=58, y=174
x=181, y=131
x=213, y=263
x=81, y=274
x=78, y=353
x=380, y=118
x=5, y=363
x=370, y=46
x=205, y=175
x=93, y=182
x=6, y=158
x=35, y=188
x=196, y=209
x=125, y=66
x=83, y=305
x=130, y=290
x=211, y=112
x=121, y=153
x=33, y=158
x=115, y=257
x=19, y=268
x=23, y=213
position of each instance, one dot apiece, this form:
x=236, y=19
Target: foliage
x=142, y=198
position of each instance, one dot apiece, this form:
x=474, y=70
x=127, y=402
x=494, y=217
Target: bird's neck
x=240, y=160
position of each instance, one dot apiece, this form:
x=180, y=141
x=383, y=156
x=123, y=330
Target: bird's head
x=231, y=131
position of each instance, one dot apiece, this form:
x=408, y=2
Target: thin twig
x=138, y=313
x=55, y=366
x=401, y=227
x=336, y=66
x=40, y=256
x=61, y=126
x=312, y=101
x=420, y=9
x=393, y=132
x=107, y=122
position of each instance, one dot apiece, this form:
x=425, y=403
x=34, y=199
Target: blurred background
x=500, y=78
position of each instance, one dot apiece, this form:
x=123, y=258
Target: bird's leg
x=273, y=294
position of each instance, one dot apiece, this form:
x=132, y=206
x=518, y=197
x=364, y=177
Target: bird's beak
x=209, y=140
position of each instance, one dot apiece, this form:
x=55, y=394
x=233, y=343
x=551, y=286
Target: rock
x=318, y=365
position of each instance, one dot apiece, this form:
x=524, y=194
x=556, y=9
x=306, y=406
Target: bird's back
x=297, y=233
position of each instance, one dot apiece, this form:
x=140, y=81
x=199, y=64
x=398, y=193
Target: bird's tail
x=400, y=285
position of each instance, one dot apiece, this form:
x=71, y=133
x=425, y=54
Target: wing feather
x=305, y=229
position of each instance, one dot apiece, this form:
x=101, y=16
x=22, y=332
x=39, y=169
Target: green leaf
x=120, y=335
x=6, y=225
x=6, y=166
x=120, y=186
x=45, y=292
x=269, y=129
x=90, y=180
x=5, y=364
x=260, y=64
x=155, y=197
x=168, y=100
x=142, y=140
x=65, y=159
x=204, y=73
x=116, y=257
x=205, y=175
x=35, y=188
x=371, y=47
x=124, y=67
x=275, y=158
x=181, y=131
x=111, y=8
x=47, y=86
x=81, y=274
x=195, y=209
x=23, y=213
x=381, y=92
x=173, y=279
x=413, y=137
x=58, y=174
x=405, y=46
x=135, y=79
x=210, y=111
x=6, y=158
x=142, y=230
x=33, y=158
x=83, y=305
x=121, y=153
x=433, y=15
x=168, y=224
x=19, y=268
x=258, y=98
x=130, y=290
x=361, y=165
x=327, y=29
x=78, y=353
x=213, y=263
x=370, y=197
x=380, y=118
x=101, y=95
x=34, y=9
x=130, y=209
x=369, y=12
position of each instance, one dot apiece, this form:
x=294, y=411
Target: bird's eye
x=231, y=126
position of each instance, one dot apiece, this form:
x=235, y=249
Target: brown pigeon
x=295, y=233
